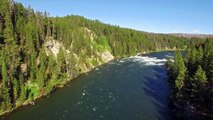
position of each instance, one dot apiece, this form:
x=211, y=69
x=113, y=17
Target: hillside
x=193, y=35
x=39, y=53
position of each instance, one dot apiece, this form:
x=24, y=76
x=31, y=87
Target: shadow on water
x=156, y=87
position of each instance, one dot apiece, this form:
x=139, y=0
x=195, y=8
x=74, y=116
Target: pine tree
x=22, y=88
x=6, y=102
x=180, y=71
x=40, y=74
x=192, y=62
x=32, y=67
x=16, y=90
x=61, y=61
x=199, y=56
x=198, y=85
x=51, y=68
x=72, y=72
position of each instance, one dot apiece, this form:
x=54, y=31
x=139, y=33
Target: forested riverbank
x=40, y=52
x=191, y=81
x=109, y=92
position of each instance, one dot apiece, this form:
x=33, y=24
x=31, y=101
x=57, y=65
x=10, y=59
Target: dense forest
x=39, y=52
x=191, y=80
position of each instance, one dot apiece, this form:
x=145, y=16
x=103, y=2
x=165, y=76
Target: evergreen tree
x=6, y=101
x=41, y=71
x=61, y=60
x=195, y=86
x=181, y=74
x=22, y=88
x=16, y=90
x=199, y=56
x=198, y=85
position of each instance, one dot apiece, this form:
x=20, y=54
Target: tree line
x=191, y=81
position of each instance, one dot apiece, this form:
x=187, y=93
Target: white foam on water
x=94, y=109
x=169, y=56
x=121, y=61
x=148, y=60
x=84, y=93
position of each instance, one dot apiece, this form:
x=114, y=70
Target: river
x=132, y=88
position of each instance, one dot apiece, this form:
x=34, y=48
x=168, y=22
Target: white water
x=147, y=60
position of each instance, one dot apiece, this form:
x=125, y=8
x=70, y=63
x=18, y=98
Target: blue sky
x=160, y=16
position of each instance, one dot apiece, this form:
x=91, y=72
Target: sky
x=159, y=16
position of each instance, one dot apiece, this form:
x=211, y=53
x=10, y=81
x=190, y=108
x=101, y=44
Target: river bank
x=64, y=82
x=108, y=92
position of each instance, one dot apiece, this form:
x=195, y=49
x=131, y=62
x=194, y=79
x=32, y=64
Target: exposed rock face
x=89, y=33
x=106, y=56
x=52, y=46
x=102, y=56
x=23, y=68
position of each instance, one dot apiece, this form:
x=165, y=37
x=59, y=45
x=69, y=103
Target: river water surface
x=133, y=88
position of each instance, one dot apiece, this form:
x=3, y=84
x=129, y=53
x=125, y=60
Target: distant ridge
x=185, y=35
x=188, y=35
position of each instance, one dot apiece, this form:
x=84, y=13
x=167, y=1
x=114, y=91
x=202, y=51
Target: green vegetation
x=38, y=52
x=191, y=80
